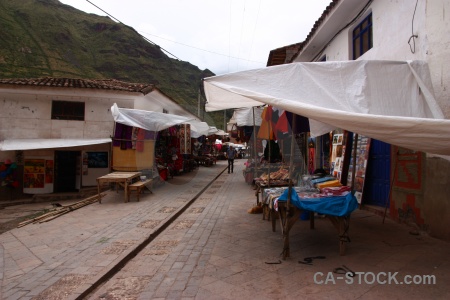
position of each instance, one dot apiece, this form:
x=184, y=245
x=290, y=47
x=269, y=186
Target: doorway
x=377, y=183
x=66, y=171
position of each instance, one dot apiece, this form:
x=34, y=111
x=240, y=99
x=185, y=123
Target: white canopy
x=391, y=101
x=149, y=120
x=155, y=121
x=30, y=144
x=212, y=130
x=220, y=132
x=198, y=128
x=244, y=116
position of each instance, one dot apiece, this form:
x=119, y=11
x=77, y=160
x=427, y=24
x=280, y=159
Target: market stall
x=391, y=101
x=161, y=138
x=323, y=195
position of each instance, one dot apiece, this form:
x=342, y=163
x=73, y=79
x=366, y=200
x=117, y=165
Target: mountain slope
x=47, y=38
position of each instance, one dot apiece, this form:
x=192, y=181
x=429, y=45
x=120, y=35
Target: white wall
x=438, y=51
x=157, y=101
x=392, y=28
x=25, y=112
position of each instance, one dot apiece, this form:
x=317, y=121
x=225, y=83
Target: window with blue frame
x=362, y=37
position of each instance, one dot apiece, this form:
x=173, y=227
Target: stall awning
x=149, y=120
x=198, y=128
x=30, y=144
x=156, y=121
x=221, y=132
x=391, y=101
x=244, y=116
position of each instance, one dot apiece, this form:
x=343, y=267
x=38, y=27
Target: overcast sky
x=220, y=35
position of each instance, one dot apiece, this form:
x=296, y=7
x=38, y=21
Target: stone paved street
x=214, y=250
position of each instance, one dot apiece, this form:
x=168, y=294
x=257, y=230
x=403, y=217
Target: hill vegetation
x=47, y=38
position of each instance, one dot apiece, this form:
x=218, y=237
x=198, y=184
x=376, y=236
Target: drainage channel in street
x=104, y=278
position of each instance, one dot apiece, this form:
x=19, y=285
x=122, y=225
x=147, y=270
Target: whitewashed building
x=56, y=132
x=418, y=183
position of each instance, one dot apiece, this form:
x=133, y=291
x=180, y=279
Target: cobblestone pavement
x=214, y=250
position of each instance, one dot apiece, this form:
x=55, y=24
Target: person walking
x=231, y=153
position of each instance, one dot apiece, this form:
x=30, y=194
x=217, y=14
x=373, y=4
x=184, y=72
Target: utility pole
x=199, y=104
x=225, y=120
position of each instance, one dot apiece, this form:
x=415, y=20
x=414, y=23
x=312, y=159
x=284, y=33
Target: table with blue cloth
x=336, y=208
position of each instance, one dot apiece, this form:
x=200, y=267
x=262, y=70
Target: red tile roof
x=102, y=84
x=283, y=55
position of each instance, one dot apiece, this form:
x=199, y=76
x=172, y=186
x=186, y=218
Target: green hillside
x=47, y=38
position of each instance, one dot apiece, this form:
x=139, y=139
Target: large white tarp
x=31, y=144
x=149, y=120
x=221, y=133
x=244, y=116
x=198, y=128
x=155, y=121
x=391, y=101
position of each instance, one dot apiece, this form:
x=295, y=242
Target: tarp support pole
x=288, y=222
x=268, y=163
x=255, y=155
x=390, y=187
x=355, y=146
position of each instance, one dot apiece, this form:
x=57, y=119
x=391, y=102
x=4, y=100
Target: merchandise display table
x=337, y=208
x=205, y=160
x=121, y=178
x=262, y=186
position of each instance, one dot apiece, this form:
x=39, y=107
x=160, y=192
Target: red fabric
x=163, y=174
x=282, y=124
x=140, y=139
x=267, y=113
x=312, y=152
x=335, y=191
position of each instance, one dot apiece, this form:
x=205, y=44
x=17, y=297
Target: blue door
x=377, y=181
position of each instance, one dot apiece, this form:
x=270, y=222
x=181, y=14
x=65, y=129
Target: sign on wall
x=38, y=175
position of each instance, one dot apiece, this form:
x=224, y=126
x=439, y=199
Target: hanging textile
x=266, y=130
x=311, y=156
x=134, y=137
x=140, y=140
x=274, y=154
x=122, y=136
x=302, y=123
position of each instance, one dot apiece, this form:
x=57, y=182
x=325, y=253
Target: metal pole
x=390, y=188
x=255, y=155
x=291, y=163
x=225, y=120
x=355, y=146
x=289, y=220
x=268, y=163
x=199, y=105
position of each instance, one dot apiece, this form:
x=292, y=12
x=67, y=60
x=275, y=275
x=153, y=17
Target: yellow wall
x=132, y=160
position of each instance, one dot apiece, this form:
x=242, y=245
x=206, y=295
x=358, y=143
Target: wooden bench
x=138, y=187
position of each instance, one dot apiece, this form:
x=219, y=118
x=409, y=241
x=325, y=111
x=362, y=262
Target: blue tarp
x=335, y=206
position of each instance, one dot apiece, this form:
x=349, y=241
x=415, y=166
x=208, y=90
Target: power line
x=197, y=48
x=139, y=34
x=229, y=38
x=242, y=31
x=254, y=28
